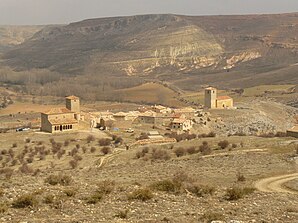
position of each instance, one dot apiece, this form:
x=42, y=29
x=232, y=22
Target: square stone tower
x=210, y=97
x=73, y=104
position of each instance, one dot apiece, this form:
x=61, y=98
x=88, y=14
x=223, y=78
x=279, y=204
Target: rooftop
x=223, y=98
x=62, y=121
x=72, y=97
x=179, y=120
x=293, y=129
x=56, y=111
x=210, y=88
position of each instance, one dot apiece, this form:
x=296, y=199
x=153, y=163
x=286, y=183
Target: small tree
x=223, y=144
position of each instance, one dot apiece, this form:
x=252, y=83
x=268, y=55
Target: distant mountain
x=188, y=51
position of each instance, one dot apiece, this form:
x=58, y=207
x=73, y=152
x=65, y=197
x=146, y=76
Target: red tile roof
x=62, y=121
x=223, y=98
x=57, y=111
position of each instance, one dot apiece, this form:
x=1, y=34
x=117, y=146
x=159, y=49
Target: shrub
x=106, y=187
x=106, y=150
x=84, y=149
x=211, y=134
x=205, y=149
x=104, y=142
x=90, y=138
x=236, y=193
x=8, y=172
x=4, y=152
x=3, y=208
x=73, y=163
x=27, y=200
x=70, y=192
x=201, y=190
x=211, y=216
x=160, y=154
x=122, y=214
x=93, y=150
x=223, y=144
x=191, y=150
x=14, y=145
x=234, y=145
x=240, y=177
x=49, y=199
x=143, y=136
x=142, y=194
x=26, y=169
x=95, y=198
x=63, y=180
x=179, y=152
x=118, y=140
x=66, y=143
x=166, y=186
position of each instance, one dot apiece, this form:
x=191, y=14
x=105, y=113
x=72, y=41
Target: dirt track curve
x=276, y=184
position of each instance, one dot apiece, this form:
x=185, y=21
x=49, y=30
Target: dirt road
x=275, y=184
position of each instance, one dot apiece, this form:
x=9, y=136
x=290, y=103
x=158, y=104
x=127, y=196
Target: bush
x=160, y=154
x=66, y=143
x=90, y=138
x=104, y=142
x=70, y=192
x=73, y=163
x=240, y=177
x=234, y=145
x=103, y=188
x=118, y=140
x=200, y=190
x=49, y=199
x=223, y=144
x=142, y=153
x=143, y=136
x=93, y=149
x=95, y=198
x=63, y=180
x=211, y=216
x=179, y=152
x=14, y=145
x=27, y=200
x=122, y=214
x=142, y=194
x=3, y=208
x=26, y=169
x=106, y=150
x=191, y=150
x=281, y=134
x=236, y=193
x=166, y=186
x=205, y=149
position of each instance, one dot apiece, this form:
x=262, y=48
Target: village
x=153, y=122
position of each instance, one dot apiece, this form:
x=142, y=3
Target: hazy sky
x=22, y=12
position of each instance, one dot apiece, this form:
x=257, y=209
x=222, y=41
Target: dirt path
x=275, y=184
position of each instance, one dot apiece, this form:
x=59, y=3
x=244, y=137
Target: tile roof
x=179, y=120
x=223, y=98
x=57, y=111
x=61, y=121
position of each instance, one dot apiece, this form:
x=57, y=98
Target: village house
x=161, y=109
x=188, y=112
x=213, y=101
x=293, y=132
x=62, y=119
x=181, y=124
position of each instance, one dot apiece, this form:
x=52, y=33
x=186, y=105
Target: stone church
x=62, y=119
x=213, y=101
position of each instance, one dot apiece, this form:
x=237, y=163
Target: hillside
x=230, y=51
x=11, y=36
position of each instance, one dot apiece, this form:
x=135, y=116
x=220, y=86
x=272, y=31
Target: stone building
x=62, y=119
x=213, y=101
x=58, y=120
x=293, y=132
x=181, y=124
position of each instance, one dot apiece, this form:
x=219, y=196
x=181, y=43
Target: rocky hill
x=11, y=36
x=189, y=51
